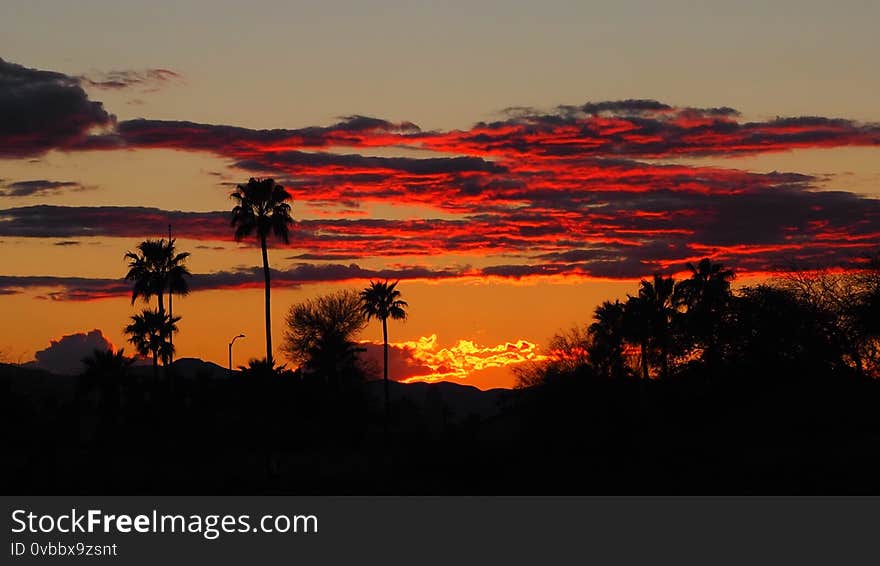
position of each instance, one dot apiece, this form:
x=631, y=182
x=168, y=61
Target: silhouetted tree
x=606, y=349
x=107, y=370
x=568, y=355
x=659, y=303
x=637, y=330
x=770, y=328
x=382, y=300
x=261, y=208
x=843, y=302
x=155, y=268
x=320, y=335
x=707, y=295
x=571, y=349
x=261, y=369
x=148, y=333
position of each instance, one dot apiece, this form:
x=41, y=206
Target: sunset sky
x=512, y=163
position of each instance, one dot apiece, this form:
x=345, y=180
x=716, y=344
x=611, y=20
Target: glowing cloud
x=424, y=360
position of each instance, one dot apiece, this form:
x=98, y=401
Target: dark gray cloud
x=48, y=221
x=86, y=289
x=64, y=356
x=42, y=110
x=282, y=161
x=38, y=187
x=235, y=140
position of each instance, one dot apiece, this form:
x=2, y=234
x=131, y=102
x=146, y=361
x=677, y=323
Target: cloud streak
x=38, y=187
x=147, y=79
x=90, y=289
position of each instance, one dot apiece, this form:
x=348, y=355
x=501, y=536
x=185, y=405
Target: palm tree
x=155, y=268
x=637, y=329
x=148, y=333
x=107, y=370
x=708, y=285
x=261, y=207
x=257, y=369
x=107, y=363
x=382, y=301
x=707, y=294
x=607, y=345
x=663, y=302
x=655, y=310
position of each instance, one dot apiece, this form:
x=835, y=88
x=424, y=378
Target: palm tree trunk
x=266, y=277
x=161, y=298
x=385, y=362
x=155, y=365
x=170, y=331
x=644, y=361
x=170, y=304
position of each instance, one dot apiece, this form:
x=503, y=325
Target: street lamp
x=234, y=338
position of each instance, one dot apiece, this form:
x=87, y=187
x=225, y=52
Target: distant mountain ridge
x=453, y=402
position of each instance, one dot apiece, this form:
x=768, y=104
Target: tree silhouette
x=637, y=330
x=606, y=350
x=708, y=285
x=148, y=333
x=320, y=334
x=707, y=295
x=771, y=329
x=261, y=208
x=655, y=311
x=155, y=268
x=382, y=300
x=845, y=302
x=107, y=370
x=261, y=370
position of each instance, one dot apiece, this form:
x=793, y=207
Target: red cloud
x=575, y=191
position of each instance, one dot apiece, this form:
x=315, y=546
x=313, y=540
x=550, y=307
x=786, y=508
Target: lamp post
x=234, y=338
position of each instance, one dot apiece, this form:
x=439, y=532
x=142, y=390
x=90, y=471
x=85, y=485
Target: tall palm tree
x=382, y=300
x=155, y=269
x=176, y=281
x=261, y=208
x=148, y=333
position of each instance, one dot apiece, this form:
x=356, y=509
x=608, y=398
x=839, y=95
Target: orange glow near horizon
x=459, y=361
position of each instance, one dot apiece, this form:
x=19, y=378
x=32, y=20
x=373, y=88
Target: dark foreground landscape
x=768, y=389
x=740, y=432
